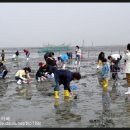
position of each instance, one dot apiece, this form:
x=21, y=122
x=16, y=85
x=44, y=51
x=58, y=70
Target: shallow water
x=33, y=105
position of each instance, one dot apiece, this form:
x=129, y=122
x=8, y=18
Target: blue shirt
x=105, y=71
x=64, y=57
x=64, y=77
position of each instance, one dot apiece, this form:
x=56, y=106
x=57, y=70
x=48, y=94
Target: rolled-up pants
x=128, y=79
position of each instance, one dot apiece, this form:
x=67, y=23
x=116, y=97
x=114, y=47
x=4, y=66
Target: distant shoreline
x=70, y=46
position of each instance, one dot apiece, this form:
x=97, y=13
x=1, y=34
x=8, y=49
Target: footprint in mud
x=63, y=110
x=102, y=123
x=71, y=116
x=84, y=84
x=50, y=94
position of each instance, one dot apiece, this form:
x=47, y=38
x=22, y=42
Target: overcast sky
x=39, y=24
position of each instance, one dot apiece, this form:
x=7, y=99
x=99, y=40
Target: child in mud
x=104, y=75
x=51, y=65
x=27, y=53
x=3, y=70
x=22, y=76
x=3, y=56
x=40, y=74
x=114, y=60
x=17, y=55
x=78, y=56
x=64, y=77
x=46, y=55
x=101, y=56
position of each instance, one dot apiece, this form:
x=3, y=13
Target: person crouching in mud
x=40, y=74
x=3, y=70
x=22, y=76
x=51, y=65
x=64, y=77
x=104, y=75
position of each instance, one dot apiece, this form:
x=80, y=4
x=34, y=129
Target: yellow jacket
x=21, y=74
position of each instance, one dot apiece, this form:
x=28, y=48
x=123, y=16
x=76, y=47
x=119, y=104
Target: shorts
x=78, y=58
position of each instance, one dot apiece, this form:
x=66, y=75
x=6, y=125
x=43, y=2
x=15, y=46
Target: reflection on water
x=63, y=110
x=24, y=91
x=106, y=101
x=28, y=64
x=16, y=64
x=92, y=108
x=127, y=103
x=3, y=87
x=114, y=93
x=45, y=88
x=105, y=119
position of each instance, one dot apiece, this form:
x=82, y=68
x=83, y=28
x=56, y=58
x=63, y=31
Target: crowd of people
x=48, y=69
x=108, y=68
x=55, y=68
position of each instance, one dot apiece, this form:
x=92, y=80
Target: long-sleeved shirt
x=64, y=57
x=78, y=52
x=42, y=70
x=21, y=74
x=64, y=77
x=27, y=53
x=99, y=64
x=2, y=67
x=126, y=57
x=105, y=71
x=3, y=54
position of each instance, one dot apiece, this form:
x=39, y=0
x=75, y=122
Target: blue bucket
x=73, y=87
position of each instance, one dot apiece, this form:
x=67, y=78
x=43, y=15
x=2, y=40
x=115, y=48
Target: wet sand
x=33, y=105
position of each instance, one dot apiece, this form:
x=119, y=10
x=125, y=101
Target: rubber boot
x=56, y=103
x=66, y=93
x=56, y=94
x=105, y=84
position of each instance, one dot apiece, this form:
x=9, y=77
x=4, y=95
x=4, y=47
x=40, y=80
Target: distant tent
x=54, y=48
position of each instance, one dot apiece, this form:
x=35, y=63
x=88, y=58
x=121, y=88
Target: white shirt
x=127, y=65
x=115, y=56
x=78, y=52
